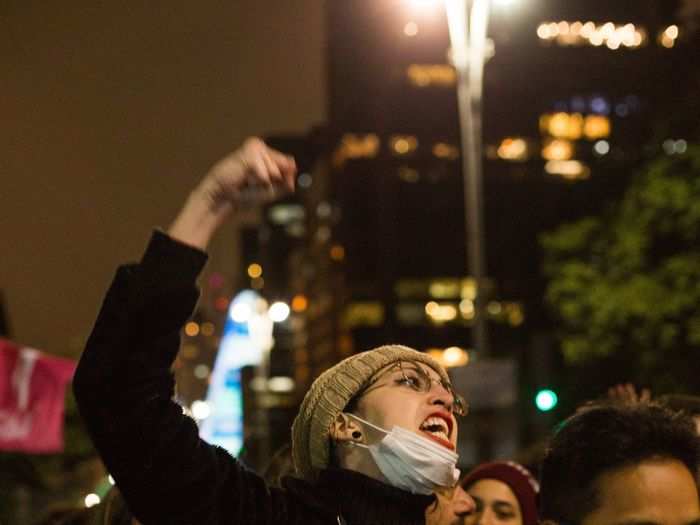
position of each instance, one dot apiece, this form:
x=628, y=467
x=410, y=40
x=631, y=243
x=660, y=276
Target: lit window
x=466, y=308
x=513, y=149
x=254, y=271
x=600, y=105
x=337, y=252
x=285, y=213
x=201, y=371
x=208, y=329
x=299, y=303
x=558, y=149
x=442, y=150
x=281, y=384
x=408, y=174
x=543, y=32
x=324, y=210
x=449, y=357
x=668, y=36
x=567, y=169
x=370, y=313
x=562, y=125
x=304, y=180
x=354, y=146
x=614, y=36
x=441, y=312
x=468, y=289
x=403, y=144
x=514, y=314
x=601, y=148
x=494, y=308
x=424, y=75
x=189, y=351
x=444, y=288
x=597, y=127
x=192, y=329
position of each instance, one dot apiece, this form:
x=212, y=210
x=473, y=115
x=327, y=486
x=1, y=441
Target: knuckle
x=254, y=145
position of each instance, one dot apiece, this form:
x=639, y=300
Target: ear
x=345, y=429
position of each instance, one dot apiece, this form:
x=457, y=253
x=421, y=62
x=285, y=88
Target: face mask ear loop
x=364, y=421
x=357, y=443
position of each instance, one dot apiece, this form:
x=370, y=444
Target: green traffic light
x=546, y=400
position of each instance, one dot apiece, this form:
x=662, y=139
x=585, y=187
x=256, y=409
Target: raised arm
x=123, y=383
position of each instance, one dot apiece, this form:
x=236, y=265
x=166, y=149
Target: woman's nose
x=487, y=517
x=439, y=395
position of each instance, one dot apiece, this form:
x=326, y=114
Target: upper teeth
x=436, y=426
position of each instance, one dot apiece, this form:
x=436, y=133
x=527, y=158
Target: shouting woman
x=374, y=440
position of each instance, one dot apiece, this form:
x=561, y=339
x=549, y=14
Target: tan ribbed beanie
x=328, y=396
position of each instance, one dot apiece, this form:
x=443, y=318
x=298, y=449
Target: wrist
x=199, y=219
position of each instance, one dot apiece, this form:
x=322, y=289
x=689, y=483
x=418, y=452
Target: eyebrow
x=648, y=522
x=507, y=505
x=425, y=369
x=504, y=505
x=637, y=522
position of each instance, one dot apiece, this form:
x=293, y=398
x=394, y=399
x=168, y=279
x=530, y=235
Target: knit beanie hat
x=330, y=393
x=517, y=477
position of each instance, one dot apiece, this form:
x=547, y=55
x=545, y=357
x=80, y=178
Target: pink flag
x=32, y=390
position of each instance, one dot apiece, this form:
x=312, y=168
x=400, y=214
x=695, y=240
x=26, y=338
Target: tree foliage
x=628, y=281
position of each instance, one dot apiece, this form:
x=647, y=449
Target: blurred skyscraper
x=371, y=249
x=577, y=95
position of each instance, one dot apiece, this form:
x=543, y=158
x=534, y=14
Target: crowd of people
x=375, y=438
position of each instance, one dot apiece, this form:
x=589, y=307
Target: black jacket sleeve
x=124, y=388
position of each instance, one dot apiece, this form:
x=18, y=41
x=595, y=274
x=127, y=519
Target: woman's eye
x=408, y=380
x=504, y=515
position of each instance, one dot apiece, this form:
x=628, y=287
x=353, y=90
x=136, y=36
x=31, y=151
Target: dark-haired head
x=604, y=439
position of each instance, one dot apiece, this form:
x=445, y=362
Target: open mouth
x=438, y=428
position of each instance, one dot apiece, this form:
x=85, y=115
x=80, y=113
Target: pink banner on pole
x=32, y=392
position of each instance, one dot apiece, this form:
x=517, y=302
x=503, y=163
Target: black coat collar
x=359, y=499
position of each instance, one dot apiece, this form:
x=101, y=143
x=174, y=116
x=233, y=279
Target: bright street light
x=504, y=3
x=424, y=4
x=468, y=25
x=279, y=312
x=241, y=313
x=91, y=500
x=470, y=48
x=200, y=409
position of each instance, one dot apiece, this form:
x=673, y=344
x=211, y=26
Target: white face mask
x=412, y=462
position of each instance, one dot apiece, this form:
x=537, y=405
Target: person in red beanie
x=504, y=492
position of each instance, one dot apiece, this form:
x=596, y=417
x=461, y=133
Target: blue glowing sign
x=247, y=335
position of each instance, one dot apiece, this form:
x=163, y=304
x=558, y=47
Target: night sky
x=110, y=114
